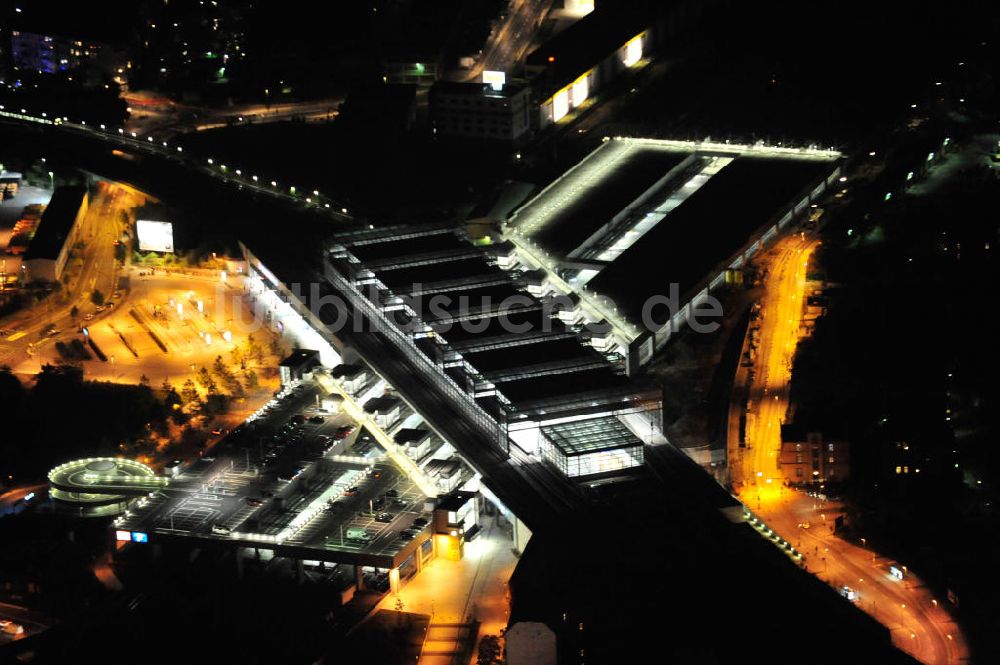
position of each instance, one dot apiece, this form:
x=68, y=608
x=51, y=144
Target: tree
x=97, y=297
x=215, y=403
x=254, y=350
x=236, y=356
x=11, y=390
x=252, y=382
x=206, y=380
x=489, y=650
x=144, y=380
x=189, y=393
x=220, y=368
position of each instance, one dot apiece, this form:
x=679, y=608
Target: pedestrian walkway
x=462, y=592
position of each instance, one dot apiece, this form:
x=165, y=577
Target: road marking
x=16, y=336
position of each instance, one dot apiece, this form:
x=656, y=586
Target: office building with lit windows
x=500, y=112
x=807, y=458
x=576, y=63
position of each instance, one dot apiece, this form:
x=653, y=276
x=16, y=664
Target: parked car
x=419, y=523
x=384, y=517
x=358, y=534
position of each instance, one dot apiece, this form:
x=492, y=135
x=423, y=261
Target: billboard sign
x=496, y=80
x=155, y=236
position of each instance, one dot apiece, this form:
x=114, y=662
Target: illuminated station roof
x=494, y=339
x=582, y=437
x=637, y=215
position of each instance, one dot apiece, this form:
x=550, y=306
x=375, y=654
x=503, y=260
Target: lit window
x=581, y=89
x=560, y=105
x=633, y=51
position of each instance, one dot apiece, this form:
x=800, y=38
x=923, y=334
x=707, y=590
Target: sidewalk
x=473, y=588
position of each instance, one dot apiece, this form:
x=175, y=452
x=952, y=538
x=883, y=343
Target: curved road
x=918, y=622
x=100, y=228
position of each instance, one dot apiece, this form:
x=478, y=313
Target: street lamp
x=52, y=180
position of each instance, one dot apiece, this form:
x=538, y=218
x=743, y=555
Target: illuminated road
x=9, y=499
x=168, y=119
x=918, y=622
x=757, y=471
x=100, y=228
x=510, y=41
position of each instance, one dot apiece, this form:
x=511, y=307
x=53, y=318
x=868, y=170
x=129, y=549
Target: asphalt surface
x=101, y=227
x=510, y=41
x=282, y=472
x=918, y=622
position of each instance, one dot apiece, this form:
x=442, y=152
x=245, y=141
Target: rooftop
x=381, y=404
x=477, y=89
x=585, y=210
x=299, y=357
x=580, y=437
x=637, y=216
x=526, y=355
x=552, y=387
x=410, y=435
x=706, y=229
x=56, y=223
x=347, y=371
x=455, y=500
x=590, y=40
x=405, y=247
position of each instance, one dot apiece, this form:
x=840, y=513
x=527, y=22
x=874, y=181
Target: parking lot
x=294, y=477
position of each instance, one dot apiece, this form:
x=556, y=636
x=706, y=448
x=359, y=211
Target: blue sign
x=140, y=537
